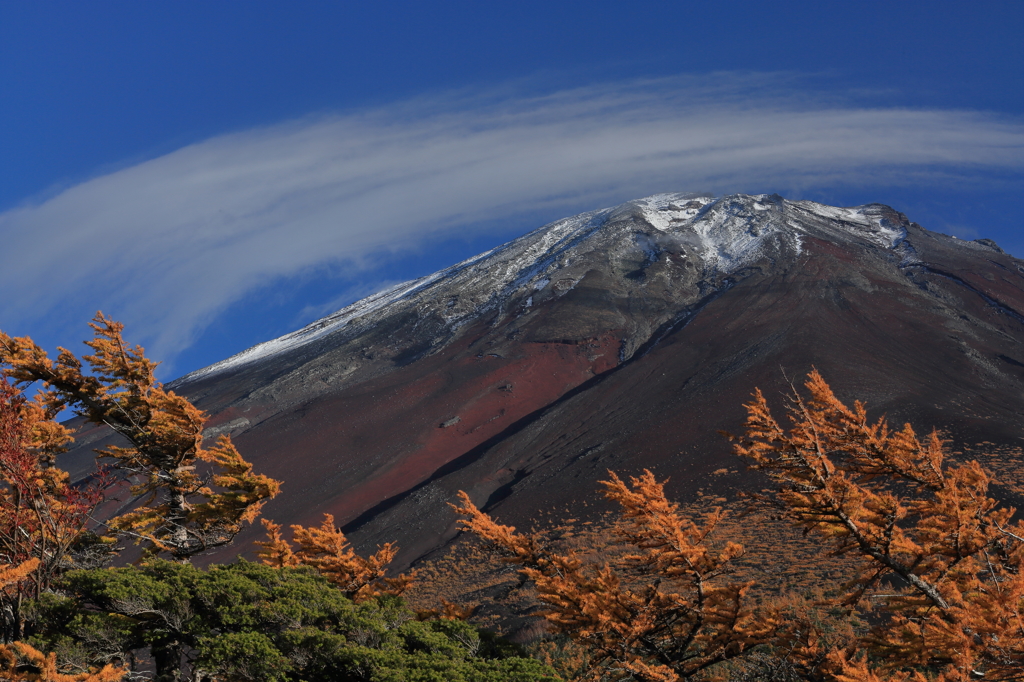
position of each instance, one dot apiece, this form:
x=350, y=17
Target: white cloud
x=170, y=242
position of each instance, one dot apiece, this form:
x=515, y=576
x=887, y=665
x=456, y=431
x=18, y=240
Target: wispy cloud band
x=170, y=242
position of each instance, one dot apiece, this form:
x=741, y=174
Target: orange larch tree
x=42, y=516
x=191, y=498
x=949, y=557
x=666, y=612
x=328, y=551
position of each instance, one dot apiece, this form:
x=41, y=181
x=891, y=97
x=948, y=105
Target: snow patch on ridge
x=726, y=233
x=666, y=211
x=864, y=221
x=497, y=271
x=314, y=331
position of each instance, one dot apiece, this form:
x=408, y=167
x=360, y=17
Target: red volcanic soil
x=351, y=450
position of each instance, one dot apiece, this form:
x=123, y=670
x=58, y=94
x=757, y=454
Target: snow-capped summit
x=698, y=235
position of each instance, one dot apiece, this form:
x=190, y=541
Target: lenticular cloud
x=172, y=241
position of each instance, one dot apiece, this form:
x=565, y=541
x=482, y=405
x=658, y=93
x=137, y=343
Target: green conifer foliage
x=247, y=621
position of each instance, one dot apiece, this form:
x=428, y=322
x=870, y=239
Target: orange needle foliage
x=21, y=662
x=42, y=516
x=679, y=619
x=950, y=556
x=327, y=550
x=12, y=575
x=182, y=511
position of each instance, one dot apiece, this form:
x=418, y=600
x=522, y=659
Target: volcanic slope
x=618, y=339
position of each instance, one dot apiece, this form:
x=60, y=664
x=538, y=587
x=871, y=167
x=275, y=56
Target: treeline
x=937, y=590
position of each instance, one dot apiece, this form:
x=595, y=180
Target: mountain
x=617, y=339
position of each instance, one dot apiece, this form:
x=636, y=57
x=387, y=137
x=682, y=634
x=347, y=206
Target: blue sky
x=216, y=174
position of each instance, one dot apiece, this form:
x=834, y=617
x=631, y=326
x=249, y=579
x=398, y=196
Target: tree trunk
x=8, y=627
x=167, y=657
x=177, y=518
x=19, y=618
